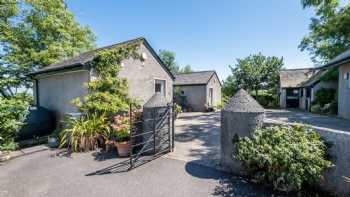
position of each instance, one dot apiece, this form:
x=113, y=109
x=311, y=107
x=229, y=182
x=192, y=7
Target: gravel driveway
x=174, y=175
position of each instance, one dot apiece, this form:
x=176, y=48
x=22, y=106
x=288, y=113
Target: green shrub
x=12, y=115
x=324, y=96
x=266, y=100
x=316, y=108
x=288, y=157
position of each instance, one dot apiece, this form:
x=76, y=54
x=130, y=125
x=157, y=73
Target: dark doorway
x=292, y=99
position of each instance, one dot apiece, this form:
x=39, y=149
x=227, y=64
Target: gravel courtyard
x=176, y=174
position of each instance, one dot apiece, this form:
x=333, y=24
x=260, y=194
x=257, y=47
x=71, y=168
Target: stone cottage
x=198, y=91
x=299, y=86
x=342, y=63
x=56, y=85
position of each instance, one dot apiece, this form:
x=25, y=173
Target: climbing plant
x=108, y=93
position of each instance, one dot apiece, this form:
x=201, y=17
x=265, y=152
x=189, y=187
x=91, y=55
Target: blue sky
x=205, y=34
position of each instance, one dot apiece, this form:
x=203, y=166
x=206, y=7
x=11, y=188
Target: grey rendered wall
x=344, y=93
x=214, y=83
x=141, y=77
x=195, y=96
x=57, y=91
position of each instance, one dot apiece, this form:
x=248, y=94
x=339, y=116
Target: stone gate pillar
x=241, y=116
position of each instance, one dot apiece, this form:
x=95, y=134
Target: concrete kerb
x=8, y=155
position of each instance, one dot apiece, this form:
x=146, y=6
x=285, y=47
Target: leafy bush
x=83, y=134
x=289, y=157
x=108, y=94
x=12, y=115
x=121, y=128
x=178, y=109
x=266, y=100
x=324, y=96
x=316, y=108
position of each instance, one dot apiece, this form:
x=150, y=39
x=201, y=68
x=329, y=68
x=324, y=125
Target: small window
x=182, y=92
x=301, y=92
x=348, y=78
x=159, y=86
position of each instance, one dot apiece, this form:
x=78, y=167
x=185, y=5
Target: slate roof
x=243, y=102
x=83, y=58
x=340, y=59
x=294, y=78
x=194, y=78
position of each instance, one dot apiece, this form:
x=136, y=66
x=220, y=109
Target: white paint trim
x=165, y=85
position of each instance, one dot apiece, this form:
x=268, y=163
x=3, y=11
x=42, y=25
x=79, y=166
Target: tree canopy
x=329, y=30
x=34, y=34
x=169, y=59
x=254, y=73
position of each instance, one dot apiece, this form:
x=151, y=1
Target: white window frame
x=164, y=88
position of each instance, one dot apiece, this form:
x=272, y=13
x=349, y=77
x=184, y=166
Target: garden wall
x=334, y=181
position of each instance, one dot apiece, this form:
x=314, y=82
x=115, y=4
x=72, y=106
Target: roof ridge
x=196, y=72
x=310, y=68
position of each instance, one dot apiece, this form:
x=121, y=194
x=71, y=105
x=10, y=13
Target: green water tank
x=39, y=122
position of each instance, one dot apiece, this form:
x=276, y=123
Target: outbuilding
x=198, y=91
x=56, y=85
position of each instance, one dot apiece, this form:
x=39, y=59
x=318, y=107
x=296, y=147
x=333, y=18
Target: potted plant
x=121, y=132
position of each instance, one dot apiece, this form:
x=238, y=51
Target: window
x=348, y=78
x=159, y=86
x=301, y=92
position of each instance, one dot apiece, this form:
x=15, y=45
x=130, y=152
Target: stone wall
x=339, y=152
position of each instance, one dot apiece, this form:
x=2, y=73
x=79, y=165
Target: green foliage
x=331, y=75
x=169, y=59
x=254, y=73
x=230, y=86
x=10, y=145
x=108, y=94
x=316, y=108
x=185, y=70
x=288, y=157
x=82, y=134
x=267, y=99
x=329, y=30
x=178, y=109
x=12, y=115
x=324, y=96
x=121, y=128
x=34, y=34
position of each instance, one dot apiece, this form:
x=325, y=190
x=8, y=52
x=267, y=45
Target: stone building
x=198, y=91
x=299, y=86
x=56, y=85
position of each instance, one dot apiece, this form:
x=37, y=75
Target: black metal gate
x=147, y=143
x=154, y=139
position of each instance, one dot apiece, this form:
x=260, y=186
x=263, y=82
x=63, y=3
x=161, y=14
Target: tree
x=229, y=86
x=168, y=57
x=329, y=30
x=254, y=73
x=34, y=34
x=185, y=70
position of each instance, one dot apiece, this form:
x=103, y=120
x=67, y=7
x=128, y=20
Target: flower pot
x=52, y=142
x=123, y=148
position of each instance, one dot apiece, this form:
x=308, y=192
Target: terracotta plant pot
x=123, y=148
